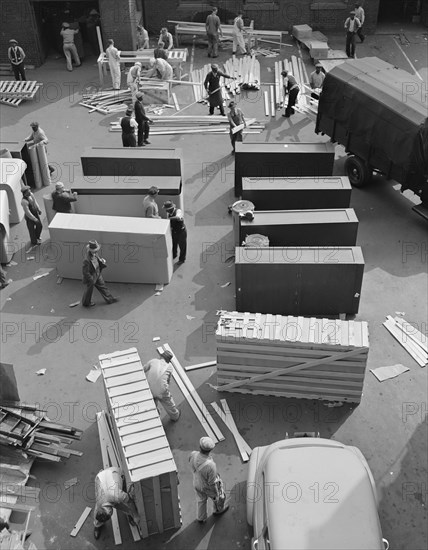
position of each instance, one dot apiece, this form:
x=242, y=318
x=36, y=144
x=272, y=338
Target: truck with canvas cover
x=379, y=114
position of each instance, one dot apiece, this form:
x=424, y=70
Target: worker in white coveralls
x=238, y=44
x=158, y=374
x=110, y=493
x=206, y=481
x=113, y=58
x=161, y=69
x=132, y=80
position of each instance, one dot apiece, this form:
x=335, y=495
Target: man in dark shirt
x=178, y=231
x=236, y=118
x=292, y=89
x=143, y=121
x=212, y=85
x=16, y=57
x=128, y=125
x=212, y=24
x=62, y=199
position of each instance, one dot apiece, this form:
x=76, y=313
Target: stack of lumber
x=107, y=102
x=145, y=455
x=291, y=356
x=29, y=429
x=265, y=52
x=246, y=70
x=13, y=92
x=412, y=340
x=196, y=124
x=195, y=402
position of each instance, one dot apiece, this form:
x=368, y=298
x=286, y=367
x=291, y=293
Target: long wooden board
x=80, y=521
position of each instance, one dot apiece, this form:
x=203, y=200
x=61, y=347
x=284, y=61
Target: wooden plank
x=266, y=100
x=158, y=503
x=222, y=415
x=122, y=380
x=418, y=337
x=139, y=501
x=201, y=366
x=231, y=420
x=175, y=499
x=409, y=346
x=80, y=521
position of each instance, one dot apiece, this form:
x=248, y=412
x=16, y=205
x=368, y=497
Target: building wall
x=119, y=20
x=17, y=21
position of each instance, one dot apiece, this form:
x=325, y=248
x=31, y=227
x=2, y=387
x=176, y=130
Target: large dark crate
x=297, y=193
x=337, y=227
x=282, y=160
x=299, y=281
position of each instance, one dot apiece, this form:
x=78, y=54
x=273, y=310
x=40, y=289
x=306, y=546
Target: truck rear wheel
x=358, y=172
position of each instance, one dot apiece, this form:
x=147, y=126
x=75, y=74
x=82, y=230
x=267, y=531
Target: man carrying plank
x=206, y=481
x=158, y=374
x=213, y=87
x=110, y=493
x=236, y=118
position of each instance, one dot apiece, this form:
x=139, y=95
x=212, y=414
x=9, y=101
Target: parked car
x=312, y=493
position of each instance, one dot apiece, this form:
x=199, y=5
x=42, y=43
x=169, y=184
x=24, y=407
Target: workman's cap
x=318, y=65
x=352, y=12
x=93, y=246
x=206, y=444
x=231, y=104
x=34, y=124
x=104, y=514
x=167, y=356
x=214, y=67
x=284, y=73
x=66, y=25
x=13, y=41
x=25, y=189
x=153, y=190
x=59, y=185
x=137, y=63
x=93, y=12
x=139, y=95
x=128, y=112
x=168, y=205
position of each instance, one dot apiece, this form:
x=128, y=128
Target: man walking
x=206, y=482
x=158, y=374
x=32, y=213
x=128, y=125
x=213, y=87
x=213, y=27
x=316, y=80
x=16, y=57
x=62, y=198
x=133, y=78
x=110, y=493
x=238, y=44
x=352, y=24
x=150, y=207
x=291, y=89
x=361, y=16
x=143, y=121
x=236, y=118
x=69, y=48
x=113, y=58
x=178, y=231
x=93, y=265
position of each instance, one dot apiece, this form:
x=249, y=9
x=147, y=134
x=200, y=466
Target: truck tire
x=358, y=172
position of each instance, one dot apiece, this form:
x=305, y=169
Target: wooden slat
x=158, y=504
x=139, y=499
x=417, y=336
x=231, y=421
x=222, y=415
x=80, y=521
x=175, y=499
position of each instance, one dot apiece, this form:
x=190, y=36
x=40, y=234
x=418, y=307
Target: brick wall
x=17, y=21
x=118, y=21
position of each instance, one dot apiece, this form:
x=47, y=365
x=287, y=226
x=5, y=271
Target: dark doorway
x=49, y=17
x=399, y=11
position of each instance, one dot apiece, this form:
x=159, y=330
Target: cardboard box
x=297, y=193
x=137, y=250
x=318, y=49
x=302, y=31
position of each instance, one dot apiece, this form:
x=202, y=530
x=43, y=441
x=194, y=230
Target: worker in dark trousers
x=352, y=25
x=16, y=57
x=213, y=87
x=128, y=125
x=236, y=118
x=93, y=265
x=178, y=231
x=62, y=199
x=143, y=121
x=361, y=16
x=32, y=213
x=291, y=89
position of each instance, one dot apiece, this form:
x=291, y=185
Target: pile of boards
x=26, y=427
x=13, y=92
x=412, y=340
x=246, y=71
x=106, y=102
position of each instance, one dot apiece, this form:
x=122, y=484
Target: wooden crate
x=299, y=280
x=146, y=457
x=282, y=160
x=302, y=227
x=296, y=193
x=291, y=356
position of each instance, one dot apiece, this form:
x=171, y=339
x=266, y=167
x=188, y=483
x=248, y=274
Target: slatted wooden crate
x=291, y=356
x=146, y=457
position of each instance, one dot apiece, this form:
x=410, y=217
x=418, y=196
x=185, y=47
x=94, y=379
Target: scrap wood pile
x=196, y=124
x=28, y=428
x=114, y=101
x=246, y=70
x=13, y=92
x=412, y=340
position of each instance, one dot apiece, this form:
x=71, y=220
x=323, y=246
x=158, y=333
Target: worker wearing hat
x=158, y=374
x=69, y=48
x=316, y=80
x=32, y=213
x=150, y=206
x=213, y=87
x=236, y=118
x=178, y=230
x=143, y=121
x=128, y=125
x=291, y=88
x=16, y=57
x=206, y=481
x=62, y=198
x=352, y=25
x=93, y=265
x=133, y=79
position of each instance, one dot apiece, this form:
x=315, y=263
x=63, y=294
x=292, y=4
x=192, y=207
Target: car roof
x=345, y=516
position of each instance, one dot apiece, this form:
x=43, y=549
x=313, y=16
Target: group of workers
x=214, y=33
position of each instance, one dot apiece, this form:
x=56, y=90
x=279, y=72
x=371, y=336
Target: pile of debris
x=14, y=92
x=28, y=428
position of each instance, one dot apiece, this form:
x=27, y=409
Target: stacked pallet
x=291, y=356
x=30, y=430
x=145, y=455
x=13, y=92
